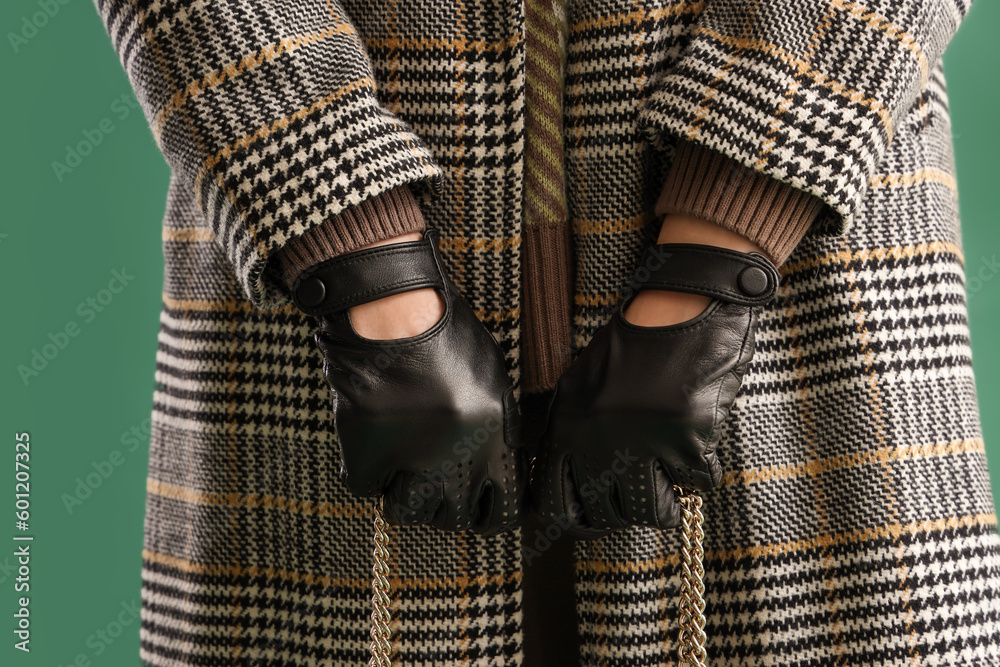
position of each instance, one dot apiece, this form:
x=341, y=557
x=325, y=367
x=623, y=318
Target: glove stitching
x=682, y=327
x=361, y=256
x=356, y=340
x=745, y=259
x=735, y=255
x=726, y=294
x=721, y=383
x=339, y=305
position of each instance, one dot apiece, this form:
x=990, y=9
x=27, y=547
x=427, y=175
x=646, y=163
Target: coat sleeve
x=808, y=92
x=269, y=111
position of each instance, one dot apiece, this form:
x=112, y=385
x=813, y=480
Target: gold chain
x=381, y=646
x=691, y=637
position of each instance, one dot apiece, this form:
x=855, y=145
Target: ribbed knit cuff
x=385, y=216
x=708, y=185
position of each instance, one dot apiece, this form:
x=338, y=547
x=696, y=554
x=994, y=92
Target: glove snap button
x=312, y=292
x=752, y=280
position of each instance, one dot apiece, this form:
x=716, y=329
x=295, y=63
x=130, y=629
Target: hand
x=427, y=420
x=657, y=307
x=640, y=409
x=397, y=315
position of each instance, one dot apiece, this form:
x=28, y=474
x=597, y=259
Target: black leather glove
x=430, y=421
x=640, y=408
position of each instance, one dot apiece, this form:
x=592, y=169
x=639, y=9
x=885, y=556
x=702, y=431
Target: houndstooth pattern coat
x=855, y=523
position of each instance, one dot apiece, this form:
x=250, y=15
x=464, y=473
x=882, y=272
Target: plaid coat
x=855, y=523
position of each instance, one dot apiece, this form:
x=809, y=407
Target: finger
x=599, y=488
x=713, y=466
x=554, y=498
x=667, y=509
x=690, y=459
x=501, y=497
x=457, y=511
x=552, y=489
x=638, y=495
x=412, y=499
x=648, y=496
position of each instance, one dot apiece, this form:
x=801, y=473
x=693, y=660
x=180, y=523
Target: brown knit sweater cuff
x=708, y=185
x=385, y=216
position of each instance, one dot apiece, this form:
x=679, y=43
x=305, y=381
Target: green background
x=61, y=240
